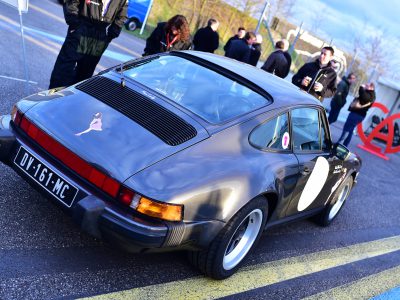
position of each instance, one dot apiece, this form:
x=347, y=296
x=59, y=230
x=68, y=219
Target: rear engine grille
x=164, y=124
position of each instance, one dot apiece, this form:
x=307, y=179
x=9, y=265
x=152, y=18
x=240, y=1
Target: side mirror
x=340, y=151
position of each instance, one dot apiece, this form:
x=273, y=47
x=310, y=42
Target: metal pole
x=295, y=39
x=24, y=53
x=261, y=17
x=145, y=18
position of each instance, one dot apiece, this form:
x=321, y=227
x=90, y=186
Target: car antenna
x=121, y=70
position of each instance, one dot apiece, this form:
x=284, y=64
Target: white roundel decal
x=314, y=184
x=285, y=140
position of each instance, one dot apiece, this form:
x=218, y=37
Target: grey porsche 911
x=182, y=150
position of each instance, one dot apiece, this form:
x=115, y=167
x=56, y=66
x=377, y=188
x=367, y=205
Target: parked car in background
x=181, y=150
x=137, y=10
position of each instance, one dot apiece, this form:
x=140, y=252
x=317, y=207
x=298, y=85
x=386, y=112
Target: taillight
x=146, y=206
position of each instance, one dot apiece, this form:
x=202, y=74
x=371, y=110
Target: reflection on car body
x=196, y=152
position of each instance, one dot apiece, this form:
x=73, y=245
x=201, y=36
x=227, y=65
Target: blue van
x=137, y=10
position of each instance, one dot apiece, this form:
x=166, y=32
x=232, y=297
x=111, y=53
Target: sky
x=342, y=20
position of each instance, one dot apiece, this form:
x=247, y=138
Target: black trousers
x=79, y=55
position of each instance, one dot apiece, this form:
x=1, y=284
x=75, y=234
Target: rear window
x=206, y=93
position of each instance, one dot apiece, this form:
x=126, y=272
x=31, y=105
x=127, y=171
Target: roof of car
x=283, y=92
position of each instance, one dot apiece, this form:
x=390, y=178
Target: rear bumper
x=135, y=234
x=104, y=219
x=7, y=139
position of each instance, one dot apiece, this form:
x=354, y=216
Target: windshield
x=206, y=93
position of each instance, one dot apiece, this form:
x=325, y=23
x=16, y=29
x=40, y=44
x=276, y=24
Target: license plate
x=46, y=177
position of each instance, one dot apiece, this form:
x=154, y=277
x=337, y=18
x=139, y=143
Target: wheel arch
x=272, y=200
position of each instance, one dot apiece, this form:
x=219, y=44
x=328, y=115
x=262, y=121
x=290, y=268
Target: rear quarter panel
x=218, y=176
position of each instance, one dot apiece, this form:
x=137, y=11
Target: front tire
x=334, y=207
x=233, y=243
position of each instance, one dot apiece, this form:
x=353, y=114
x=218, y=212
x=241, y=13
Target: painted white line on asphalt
x=260, y=275
x=17, y=79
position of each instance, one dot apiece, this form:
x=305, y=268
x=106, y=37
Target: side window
x=305, y=128
x=273, y=134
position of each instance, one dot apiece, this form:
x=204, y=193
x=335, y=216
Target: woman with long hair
x=358, y=110
x=168, y=36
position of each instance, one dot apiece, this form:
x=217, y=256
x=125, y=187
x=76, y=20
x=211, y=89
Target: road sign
x=21, y=5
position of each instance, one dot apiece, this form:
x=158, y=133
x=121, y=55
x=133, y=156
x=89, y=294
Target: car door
x=276, y=160
x=319, y=169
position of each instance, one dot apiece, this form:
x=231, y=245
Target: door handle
x=305, y=171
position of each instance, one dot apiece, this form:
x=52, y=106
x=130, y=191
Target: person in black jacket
x=207, y=39
x=255, y=51
x=339, y=100
x=277, y=62
x=241, y=49
x=318, y=78
x=169, y=36
x=358, y=111
x=92, y=26
x=240, y=35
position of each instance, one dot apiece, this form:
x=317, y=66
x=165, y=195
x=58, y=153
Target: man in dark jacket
x=241, y=49
x=92, y=26
x=318, y=78
x=339, y=100
x=240, y=35
x=256, y=49
x=207, y=39
x=277, y=63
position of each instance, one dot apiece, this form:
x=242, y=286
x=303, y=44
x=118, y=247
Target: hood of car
x=117, y=129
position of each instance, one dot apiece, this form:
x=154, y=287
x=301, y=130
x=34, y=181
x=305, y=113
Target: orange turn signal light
x=165, y=211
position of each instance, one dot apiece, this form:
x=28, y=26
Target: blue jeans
x=352, y=121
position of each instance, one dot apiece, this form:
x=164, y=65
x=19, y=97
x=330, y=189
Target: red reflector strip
x=111, y=186
x=126, y=196
x=18, y=117
x=25, y=124
x=70, y=159
x=97, y=178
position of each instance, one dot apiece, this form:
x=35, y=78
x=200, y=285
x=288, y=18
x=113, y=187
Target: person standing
x=92, y=25
x=339, y=100
x=240, y=49
x=206, y=39
x=318, y=78
x=255, y=52
x=169, y=36
x=277, y=62
x=358, y=111
x=240, y=35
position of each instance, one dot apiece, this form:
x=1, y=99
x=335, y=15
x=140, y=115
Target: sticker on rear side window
x=285, y=140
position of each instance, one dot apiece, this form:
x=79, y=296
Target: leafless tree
x=282, y=8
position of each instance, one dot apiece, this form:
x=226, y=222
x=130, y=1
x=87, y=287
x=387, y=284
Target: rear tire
x=232, y=244
x=335, y=206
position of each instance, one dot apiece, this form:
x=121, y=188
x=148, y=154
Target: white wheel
x=243, y=239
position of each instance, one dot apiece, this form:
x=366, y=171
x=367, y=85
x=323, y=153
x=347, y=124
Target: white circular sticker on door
x=314, y=184
x=285, y=140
